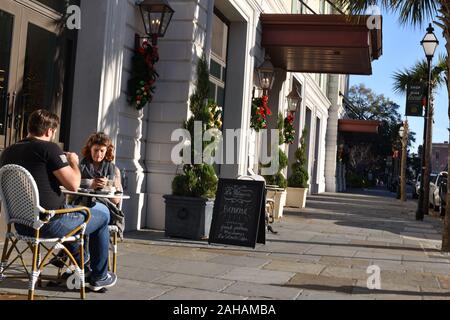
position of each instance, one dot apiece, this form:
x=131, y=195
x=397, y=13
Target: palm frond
x=401, y=80
x=410, y=11
x=418, y=73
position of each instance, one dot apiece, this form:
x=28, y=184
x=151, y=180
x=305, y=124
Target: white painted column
x=332, y=133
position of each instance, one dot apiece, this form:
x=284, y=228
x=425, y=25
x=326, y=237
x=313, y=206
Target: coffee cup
x=86, y=183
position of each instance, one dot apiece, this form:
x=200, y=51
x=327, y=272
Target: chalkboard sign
x=239, y=213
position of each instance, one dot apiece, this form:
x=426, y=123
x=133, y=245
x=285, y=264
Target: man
x=51, y=167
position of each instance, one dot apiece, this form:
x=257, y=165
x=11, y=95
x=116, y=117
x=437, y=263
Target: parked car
x=443, y=193
x=435, y=183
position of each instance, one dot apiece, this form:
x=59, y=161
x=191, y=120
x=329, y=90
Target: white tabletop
x=96, y=195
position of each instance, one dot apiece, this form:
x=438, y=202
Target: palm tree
x=419, y=74
x=416, y=12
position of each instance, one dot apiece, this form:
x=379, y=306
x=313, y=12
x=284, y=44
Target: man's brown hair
x=40, y=121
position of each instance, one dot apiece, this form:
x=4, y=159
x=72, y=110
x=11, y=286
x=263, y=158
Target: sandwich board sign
x=239, y=213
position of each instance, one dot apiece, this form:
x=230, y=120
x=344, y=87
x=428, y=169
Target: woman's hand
x=99, y=183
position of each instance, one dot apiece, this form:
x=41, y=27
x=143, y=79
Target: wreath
x=141, y=86
x=289, y=132
x=260, y=112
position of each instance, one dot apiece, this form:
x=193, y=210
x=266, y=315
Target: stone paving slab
x=195, y=282
x=258, y=276
x=249, y=289
x=139, y=273
x=323, y=283
x=187, y=253
x=240, y=261
x=195, y=294
x=170, y=264
x=308, y=268
x=339, y=272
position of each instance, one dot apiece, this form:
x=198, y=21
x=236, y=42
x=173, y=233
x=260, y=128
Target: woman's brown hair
x=101, y=139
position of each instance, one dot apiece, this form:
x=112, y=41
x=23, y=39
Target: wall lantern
x=266, y=75
x=156, y=15
x=294, y=100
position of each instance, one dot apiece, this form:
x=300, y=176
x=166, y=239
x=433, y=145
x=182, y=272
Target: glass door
x=31, y=62
x=10, y=18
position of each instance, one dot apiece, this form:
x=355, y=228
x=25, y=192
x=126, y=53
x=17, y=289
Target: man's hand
x=70, y=177
x=73, y=159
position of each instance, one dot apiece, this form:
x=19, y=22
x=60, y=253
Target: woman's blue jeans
x=97, y=230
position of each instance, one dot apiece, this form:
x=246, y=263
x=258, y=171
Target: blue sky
x=401, y=49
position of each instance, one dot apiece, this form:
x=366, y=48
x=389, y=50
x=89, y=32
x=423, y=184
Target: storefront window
x=59, y=5
x=218, y=62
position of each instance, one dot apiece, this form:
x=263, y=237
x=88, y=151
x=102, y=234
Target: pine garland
x=289, y=132
x=260, y=112
x=141, y=86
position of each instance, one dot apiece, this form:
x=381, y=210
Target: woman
x=96, y=165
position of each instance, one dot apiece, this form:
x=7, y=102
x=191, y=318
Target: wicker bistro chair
x=20, y=198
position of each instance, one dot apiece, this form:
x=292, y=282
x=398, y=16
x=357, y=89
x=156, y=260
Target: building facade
x=439, y=157
x=86, y=84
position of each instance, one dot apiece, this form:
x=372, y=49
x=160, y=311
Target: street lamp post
x=403, y=133
x=429, y=44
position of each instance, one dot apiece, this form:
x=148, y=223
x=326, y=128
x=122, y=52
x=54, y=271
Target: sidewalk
x=321, y=252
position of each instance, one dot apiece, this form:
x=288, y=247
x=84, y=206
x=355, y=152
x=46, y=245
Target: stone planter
x=188, y=217
x=296, y=197
x=280, y=202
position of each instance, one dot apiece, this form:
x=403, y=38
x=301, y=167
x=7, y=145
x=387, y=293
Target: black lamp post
x=429, y=44
x=266, y=75
x=156, y=15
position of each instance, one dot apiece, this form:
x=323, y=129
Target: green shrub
x=199, y=180
x=299, y=177
x=278, y=179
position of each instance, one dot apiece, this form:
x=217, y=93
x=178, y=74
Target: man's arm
x=70, y=176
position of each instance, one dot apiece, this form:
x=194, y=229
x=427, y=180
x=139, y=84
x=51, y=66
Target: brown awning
x=361, y=126
x=321, y=43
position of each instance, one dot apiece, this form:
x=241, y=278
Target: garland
x=260, y=112
x=289, y=132
x=143, y=75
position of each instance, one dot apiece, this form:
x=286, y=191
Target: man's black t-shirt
x=41, y=159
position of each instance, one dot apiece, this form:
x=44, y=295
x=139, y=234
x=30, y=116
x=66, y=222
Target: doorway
x=33, y=55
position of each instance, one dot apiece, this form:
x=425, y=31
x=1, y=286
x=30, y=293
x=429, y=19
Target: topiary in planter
x=299, y=177
x=189, y=209
x=279, y=179
x=199, y=180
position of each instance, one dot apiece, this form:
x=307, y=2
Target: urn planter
x=280, y=202
x=188, y=217
x=296, y=197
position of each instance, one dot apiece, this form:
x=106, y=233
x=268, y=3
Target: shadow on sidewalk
x=356, y=245
x=362, y=290
x=368, y=212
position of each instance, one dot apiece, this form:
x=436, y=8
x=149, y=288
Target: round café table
x=93, y=194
